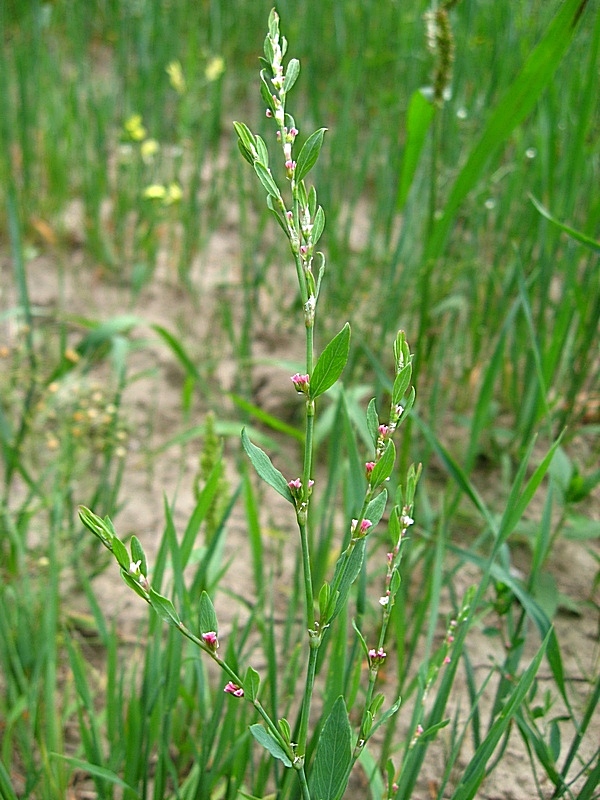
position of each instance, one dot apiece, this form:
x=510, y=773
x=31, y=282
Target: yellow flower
x=149, y=148
x=214, y=69
x=174, y=193
x=156, y=191
x=134, y=127
x=175, y=73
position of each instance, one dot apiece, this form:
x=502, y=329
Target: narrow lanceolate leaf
x=331, y=363
x=291, y=74
x=97, y=526
x=383, y=468
x=265, y=469
x=376, y=507
x=318, y=226
x=268, y=742
x=418, y=119
x=401, y=384
x=309, y=154
x=373, y=420
x=593, y=244
x=266, y=179
x=246, y=141
x=207, y=615
x=251, y=684
x=164, y=608
x=346, y=572
x=137, y=554
x=120, y=553
x=334, y=755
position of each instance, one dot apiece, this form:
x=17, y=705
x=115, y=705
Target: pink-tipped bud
x=369, y=466
x=377, y=657
x=301, y=383
x=234, y=689
x=210, y=640
x=364, y=526
x=447, y=660
x=383, y=431
x=290, y=165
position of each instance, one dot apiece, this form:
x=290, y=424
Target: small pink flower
x=447, y=660
x=290, y=165
x=369, y=467
x=419, y=730
x=234, y=689
x=210, y=640
x=268, y=113
x=364, y=526
x=383, y=431
x=301, y=383
x=377, y=656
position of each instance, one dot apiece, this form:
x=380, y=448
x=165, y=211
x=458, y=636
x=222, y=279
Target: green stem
x=304, y=784
x=315, y=642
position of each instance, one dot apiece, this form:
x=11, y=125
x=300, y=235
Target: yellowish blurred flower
x=214, y=69
x=149, y=148
x=134, y=128
x=175, y=73
x=156, y=191
x=174, y=193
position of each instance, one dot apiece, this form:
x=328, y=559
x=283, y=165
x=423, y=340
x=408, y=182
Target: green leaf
x=267, y=180
x=383, y=468
x=333, y=757
x=133, y=584
x=251, y=684
x=418, y=119
x=246, y=142
x=330, y=363
x=265, y=469
x=309, y=154
x=164, y=608
x=348, y=566
x=97, y=772
x=577, y=235
x=291, y=74
x=376, y=507
x=207, y=615
x=120, y=553
x=318, y=226
x=373, y=420
x=137, y=554
x=264, y=738
x=401, y=384
x=97, y=526
x=263, y=153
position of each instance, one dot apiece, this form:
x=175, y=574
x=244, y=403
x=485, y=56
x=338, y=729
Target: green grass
x=431, y=227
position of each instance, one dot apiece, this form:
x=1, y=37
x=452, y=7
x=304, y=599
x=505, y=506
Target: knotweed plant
x=302, y=219
x=321, y=745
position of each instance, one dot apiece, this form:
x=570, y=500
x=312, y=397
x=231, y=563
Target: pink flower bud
x=210, y=640
x=234, y=689
x=301, y=383
x=377, y=656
